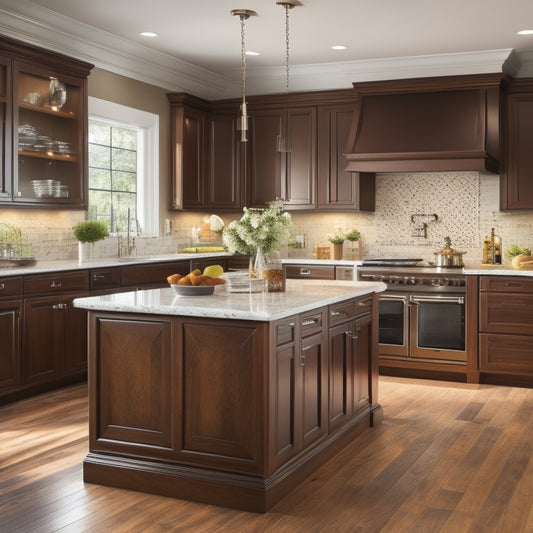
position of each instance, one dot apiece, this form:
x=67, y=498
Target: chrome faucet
x=128, y=248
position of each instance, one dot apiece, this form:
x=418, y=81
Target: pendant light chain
x=287, y=48
x=243, y=60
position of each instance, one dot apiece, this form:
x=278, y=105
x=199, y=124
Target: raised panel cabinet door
x=314, y=389
x=300, y=175
x=74, y=332
x=41, y=342
x=222, y=393
x=132, y=377
x=505, y=313
x=10, y=361
x=266, y=166
x=516, y=183
x=284, y=380
x=222, y=176
x=362, y=353
x=187, y=157
x=506, y=354
x=340, y=373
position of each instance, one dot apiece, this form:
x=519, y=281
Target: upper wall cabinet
x=516, y=178
x=206, y=173
x=212, y=169
x=43, y=117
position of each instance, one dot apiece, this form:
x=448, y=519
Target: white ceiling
x=198, y=48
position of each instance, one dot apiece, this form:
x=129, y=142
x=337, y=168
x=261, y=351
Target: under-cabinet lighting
x=525, y=32
x=338, y=47
x=149, y=34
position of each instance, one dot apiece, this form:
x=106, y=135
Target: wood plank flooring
x=448, y=457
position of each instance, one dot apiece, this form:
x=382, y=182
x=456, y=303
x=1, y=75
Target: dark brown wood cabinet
x=339, y=189
x=349, y=359
x=43, y=127
x=309, y=271
x=206, y=170
x=506, y=326
x=151, y=275
x=213, y=169
x=54, y=339
x=232, y=412
x=516, y=177
x=10, y=333
x=299, y=374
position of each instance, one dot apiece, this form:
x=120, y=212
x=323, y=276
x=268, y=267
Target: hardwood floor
x=448, y=457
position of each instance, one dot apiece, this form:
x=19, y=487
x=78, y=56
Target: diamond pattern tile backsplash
x=466, y=205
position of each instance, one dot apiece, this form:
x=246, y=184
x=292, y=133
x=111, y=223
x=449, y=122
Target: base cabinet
x=506, y=326
x=10, y=326
x=229, y=412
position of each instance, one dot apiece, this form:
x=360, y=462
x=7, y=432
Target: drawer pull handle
x=350, y=334
x=338, y=313
x=364, y=304
x=59, y=306
x=55, y=285
x=99, y=276
x=2, y=286
x=511, y=284
x=305, y=272
x=310, y=322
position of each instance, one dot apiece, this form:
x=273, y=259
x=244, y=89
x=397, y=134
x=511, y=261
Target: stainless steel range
x=422, y=312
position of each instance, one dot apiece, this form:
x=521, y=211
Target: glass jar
x=273, y=272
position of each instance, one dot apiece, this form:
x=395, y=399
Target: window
x=123, y=167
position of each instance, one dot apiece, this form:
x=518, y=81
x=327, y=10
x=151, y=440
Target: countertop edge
x=257, y=307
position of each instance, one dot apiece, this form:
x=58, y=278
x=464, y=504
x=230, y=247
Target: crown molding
x=29, y=22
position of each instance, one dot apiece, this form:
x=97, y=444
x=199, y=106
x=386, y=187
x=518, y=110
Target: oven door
x=393, y=324
x=438, y=327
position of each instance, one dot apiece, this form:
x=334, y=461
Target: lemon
x=213, y=271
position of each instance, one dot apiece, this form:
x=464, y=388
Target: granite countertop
x=301, y=296
x=495, y=270
x=42, y=267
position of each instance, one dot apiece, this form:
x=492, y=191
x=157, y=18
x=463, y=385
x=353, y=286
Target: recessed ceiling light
x=338, y=47
x=525, y=32
x=251, y=53
x=148, y=34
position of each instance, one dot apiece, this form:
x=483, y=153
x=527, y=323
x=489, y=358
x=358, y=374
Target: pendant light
x=283, y=141
x=242, y=124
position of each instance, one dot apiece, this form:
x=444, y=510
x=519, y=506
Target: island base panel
x=238, y=491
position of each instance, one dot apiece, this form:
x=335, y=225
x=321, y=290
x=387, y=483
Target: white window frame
x=147, y=156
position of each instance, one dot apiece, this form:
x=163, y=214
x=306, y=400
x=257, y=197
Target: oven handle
x=393, y=298
x=416, y=300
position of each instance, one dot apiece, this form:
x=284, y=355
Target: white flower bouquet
x=264, y=229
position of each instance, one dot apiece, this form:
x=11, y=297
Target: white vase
x=85, y=251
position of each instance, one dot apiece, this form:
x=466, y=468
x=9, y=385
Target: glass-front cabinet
x=43, y=110
x=5, y=124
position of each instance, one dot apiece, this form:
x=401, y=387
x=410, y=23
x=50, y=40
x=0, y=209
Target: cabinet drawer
x=104, y=278
x=10, y=287
x=506, y=283
x=511, y=354
x=309, y=272
x=363, y=306
x=506, y=313
x=153, y=274
x=341, y=312
x=312, y=323
x=284, y=333
x=57, y=282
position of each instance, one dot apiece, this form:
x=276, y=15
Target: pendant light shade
x=242, y=124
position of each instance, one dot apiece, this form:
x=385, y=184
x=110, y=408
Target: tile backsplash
x=466, y=205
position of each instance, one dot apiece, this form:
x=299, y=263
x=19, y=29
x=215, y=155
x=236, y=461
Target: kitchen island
x=229, y=399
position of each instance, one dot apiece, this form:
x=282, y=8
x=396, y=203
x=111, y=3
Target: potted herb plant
x=87, y=232
x=338, y=241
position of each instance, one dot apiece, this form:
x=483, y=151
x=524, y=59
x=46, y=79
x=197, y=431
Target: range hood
x=426, y=125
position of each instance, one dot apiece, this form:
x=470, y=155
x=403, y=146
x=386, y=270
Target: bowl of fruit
x=197, y=283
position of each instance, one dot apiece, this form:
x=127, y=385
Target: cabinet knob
x=2, y=286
